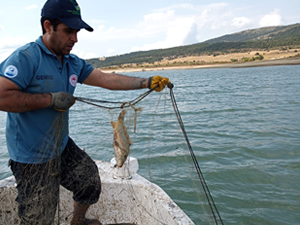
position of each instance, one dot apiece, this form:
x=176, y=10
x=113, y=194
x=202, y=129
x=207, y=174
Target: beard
x=59, y=47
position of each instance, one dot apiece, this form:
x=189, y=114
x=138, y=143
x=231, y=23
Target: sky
x=122, y=27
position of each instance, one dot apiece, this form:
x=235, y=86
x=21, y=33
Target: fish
x=122, y=141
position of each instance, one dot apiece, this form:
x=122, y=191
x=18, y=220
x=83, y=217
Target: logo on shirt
x=73, y=80
x=11, y=71
x=44, y=77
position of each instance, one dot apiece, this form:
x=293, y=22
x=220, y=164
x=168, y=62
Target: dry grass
x=272, y=57
x=268, y=55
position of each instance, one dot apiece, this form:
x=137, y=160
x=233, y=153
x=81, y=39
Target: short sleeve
x=18, y=68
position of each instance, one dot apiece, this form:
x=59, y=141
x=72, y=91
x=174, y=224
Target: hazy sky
x=126, y=26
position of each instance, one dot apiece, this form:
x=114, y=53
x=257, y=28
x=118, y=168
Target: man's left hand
x=158, y=82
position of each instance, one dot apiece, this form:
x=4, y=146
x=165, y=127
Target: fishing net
x=157, y=166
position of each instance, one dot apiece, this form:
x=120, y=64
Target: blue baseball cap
x=67, y=11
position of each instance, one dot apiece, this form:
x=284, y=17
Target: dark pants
x=38, y=184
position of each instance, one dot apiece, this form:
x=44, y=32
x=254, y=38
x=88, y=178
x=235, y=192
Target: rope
x=212, y=205
x=122, y=104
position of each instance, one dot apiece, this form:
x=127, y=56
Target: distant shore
x=272, y=62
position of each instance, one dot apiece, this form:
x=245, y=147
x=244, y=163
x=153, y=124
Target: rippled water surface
x=244, y=128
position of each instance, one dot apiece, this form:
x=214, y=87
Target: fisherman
x=37, y=83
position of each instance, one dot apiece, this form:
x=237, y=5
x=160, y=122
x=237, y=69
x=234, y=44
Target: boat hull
x=132, y=201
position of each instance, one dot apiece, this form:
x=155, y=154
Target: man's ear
x=48, y=26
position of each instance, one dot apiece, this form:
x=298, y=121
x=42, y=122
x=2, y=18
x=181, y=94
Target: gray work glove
x=62, y=101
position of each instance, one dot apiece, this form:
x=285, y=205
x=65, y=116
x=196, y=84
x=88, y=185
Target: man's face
x=62, y=40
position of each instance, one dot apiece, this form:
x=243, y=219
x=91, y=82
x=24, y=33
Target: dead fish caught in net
x=122, y=140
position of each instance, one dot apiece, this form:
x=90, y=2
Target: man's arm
x=14, y=100
x=113, y=81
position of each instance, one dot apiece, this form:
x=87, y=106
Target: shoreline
x=272, y=62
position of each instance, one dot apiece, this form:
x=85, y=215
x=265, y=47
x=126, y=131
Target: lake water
x=244, y=128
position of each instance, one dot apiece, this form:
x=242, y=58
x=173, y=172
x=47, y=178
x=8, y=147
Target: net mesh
x=121, y=200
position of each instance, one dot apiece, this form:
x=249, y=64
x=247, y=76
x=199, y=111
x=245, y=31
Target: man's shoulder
x=30, y=50
x=23, y=55
x=31, y=47
x=74, y=59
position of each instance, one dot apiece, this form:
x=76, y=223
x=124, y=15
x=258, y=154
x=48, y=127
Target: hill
x=265, y=33
x=267, y=38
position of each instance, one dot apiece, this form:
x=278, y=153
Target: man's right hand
x=62, y=101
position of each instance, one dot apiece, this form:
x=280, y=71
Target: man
x=37, y=83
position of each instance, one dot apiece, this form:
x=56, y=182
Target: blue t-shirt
x=32, y=136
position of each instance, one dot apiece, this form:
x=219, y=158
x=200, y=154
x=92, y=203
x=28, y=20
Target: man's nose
x=74, y=37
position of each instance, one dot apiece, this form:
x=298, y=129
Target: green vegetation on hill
x=257, y=39
x=265, y=33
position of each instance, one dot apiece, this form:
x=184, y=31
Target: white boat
x=126, y=198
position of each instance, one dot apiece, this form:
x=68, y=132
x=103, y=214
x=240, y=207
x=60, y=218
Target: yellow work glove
x=158, y=81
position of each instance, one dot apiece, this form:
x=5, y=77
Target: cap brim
x=76, y=23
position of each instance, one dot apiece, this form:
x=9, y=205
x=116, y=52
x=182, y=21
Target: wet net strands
x=212, y=206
